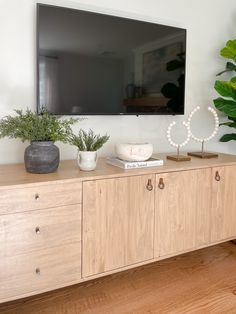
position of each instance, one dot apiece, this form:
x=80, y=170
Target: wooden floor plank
x=200, y=282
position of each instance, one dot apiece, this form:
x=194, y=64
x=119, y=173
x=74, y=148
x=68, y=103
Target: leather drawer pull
x=161, y=184
x=217, y=176
x=149, y=185
x=37, y=230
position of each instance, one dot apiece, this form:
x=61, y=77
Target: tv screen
x=96, y=64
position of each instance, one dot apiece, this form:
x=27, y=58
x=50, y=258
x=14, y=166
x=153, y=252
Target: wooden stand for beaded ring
x=178, y=157
x=203, y=154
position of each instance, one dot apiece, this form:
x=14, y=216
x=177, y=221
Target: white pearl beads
x=169, y=136
x=189, y=132
x=216, y=119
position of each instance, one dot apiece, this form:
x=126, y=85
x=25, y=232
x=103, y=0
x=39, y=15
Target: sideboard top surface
x=12, y=175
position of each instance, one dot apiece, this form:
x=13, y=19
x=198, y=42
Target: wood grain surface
x=39, y=271
x=118, y=221
x=223, y=216
x=39, y=229
x=15, y=174
x=182, y=211
x=124, y=227
x=39, y=197
x=200, y=282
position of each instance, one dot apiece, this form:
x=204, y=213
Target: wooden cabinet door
x=182, y=211
x=223, y=212
x=118, y=220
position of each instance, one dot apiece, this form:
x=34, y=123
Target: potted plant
x=42, y=130
x=227, y=89
x=88, y=143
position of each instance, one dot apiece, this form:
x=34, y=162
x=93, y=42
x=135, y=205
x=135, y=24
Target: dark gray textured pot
x=42, y=157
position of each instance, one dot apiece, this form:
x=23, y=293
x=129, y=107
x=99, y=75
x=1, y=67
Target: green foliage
x=229, y=124
x=30, y=126
x=228, y=137
x=227, y=89
x=229, y=51
x=226, y=106
x=88, y=141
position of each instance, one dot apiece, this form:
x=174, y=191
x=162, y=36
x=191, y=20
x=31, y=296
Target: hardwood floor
x=201, y=282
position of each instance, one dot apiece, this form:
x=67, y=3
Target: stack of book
x=151, y=162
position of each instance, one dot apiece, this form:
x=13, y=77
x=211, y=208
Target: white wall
x=209, y=24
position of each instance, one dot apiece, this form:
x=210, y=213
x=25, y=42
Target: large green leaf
x=229, y=51
x=226, y=106
x=233, y=79
x=226, y=89
x=228, y=137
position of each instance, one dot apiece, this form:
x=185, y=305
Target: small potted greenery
x=88, y=143
x=42, y=130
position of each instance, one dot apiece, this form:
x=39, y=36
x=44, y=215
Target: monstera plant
x=227, y=89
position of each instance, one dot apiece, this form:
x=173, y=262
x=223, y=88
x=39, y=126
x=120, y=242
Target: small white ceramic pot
x=134, y=152
x=87, y=161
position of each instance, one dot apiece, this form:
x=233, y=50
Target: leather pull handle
x=37, y=230
x=161, y=184
x=149, y=185
x=217, y=176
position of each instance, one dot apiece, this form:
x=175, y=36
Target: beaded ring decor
x=202, y=153
x=178, y=157
x=210, y=109
x=169, y=136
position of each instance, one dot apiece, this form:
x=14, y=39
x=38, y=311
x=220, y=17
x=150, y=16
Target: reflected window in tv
x=96, y=64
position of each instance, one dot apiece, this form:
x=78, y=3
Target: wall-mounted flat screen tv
x=96, y=64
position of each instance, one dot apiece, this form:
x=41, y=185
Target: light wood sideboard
x=72, y=226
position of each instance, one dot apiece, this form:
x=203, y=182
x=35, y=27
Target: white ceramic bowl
x=134, y=151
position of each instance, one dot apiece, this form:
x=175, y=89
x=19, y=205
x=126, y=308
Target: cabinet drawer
x=40, y=229
x=40, y=271
x=39, y=197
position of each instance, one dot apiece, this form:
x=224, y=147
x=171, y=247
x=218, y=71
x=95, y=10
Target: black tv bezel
x=38, y=5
